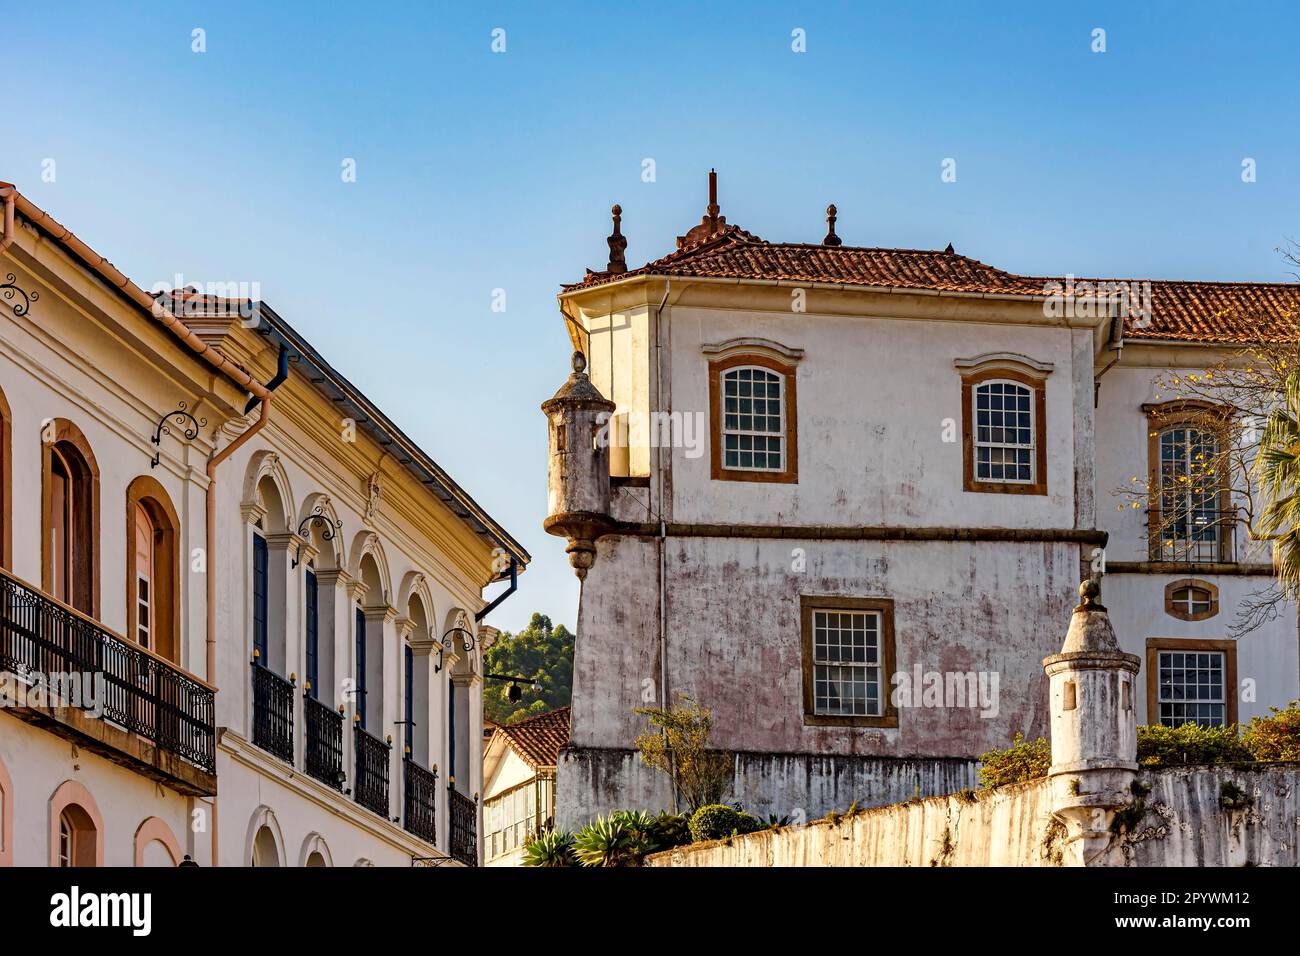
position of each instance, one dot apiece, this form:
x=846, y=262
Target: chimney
x=1094, y=731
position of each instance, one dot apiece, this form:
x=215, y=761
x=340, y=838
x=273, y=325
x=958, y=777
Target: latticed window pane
x=1190, y=522
x=1192, y=600
x=753, y=419
x=846, y=663
x=1192, y=688
x=1004, y=432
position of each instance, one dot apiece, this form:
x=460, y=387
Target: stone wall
x=593, y=781
x=1182, y=822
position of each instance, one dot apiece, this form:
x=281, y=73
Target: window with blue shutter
x=312, y=636
x=259, y=599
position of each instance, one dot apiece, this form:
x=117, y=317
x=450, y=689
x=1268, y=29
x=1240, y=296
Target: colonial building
x=831, y=492
x=519, y=783
x=240, y=612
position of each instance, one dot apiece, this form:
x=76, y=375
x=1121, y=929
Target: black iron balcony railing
x=323, y=755
x=43, y=639
x=370, y=784
x=1192, y=535
x=420, y=811
x=272, y=713
x=464, y=827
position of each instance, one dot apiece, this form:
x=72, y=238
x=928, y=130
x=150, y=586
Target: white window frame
x=1188, y=547
x=1161, y=699
x=725, y=431
x=878, y=667
x=977, y=444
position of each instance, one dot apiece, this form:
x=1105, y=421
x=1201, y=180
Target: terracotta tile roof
x=1187, y=311
x=538, y=739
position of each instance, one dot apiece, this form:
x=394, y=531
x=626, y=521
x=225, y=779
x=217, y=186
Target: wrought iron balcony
x=464, y=827
x=370, y=783
x=105, y=692
x=420, y=810
x=1192, y=536
x=323, y=756
x=272, y=713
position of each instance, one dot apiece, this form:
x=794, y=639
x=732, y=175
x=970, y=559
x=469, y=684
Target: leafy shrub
x=550, y=848
x=669, y=830
x=714, y=821
x=1161, y=746
x=1275, y=737
x=677, y=744
x=748, y=823
x=615, y=840
x=1023, y=760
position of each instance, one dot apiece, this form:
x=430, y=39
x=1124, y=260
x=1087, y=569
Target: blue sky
x=479, y=170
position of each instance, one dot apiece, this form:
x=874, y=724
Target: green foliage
x=550, y=848
x=1023, y=760
x=748, y=823
x=617, y=840
x=1275, y=737
x=669, y=830
x=1232, y=797
x=540, y=650
x=679, y=748
x=1161, y=746
x=714, y=821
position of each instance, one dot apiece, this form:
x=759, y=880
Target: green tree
x=543, y=651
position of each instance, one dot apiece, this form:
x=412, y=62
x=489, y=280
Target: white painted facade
x=698, y=588
x=407, y=548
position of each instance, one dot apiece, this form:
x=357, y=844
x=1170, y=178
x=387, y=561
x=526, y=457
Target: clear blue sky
x=478, y=171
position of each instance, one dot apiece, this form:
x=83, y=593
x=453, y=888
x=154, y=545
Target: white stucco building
x=268, y=595
x=834, y=472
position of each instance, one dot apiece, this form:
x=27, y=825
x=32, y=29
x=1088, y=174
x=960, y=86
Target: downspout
x=662, y=541
x=211, y=508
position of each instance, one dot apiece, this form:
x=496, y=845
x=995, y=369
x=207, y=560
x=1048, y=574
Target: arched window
x=77, y=837
x=76, y=827
x=70, y=519
x=1004, y=423
x=753, y=421
x=265, y=850
x=153, y=568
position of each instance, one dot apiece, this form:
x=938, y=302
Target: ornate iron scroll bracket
x=179, y=418
x=446, y=644
x=317, y=517
x=10, y=292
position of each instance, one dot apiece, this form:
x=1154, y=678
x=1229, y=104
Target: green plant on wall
x=1023, y=760
x=677, y=744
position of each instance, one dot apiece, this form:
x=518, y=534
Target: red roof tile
x=1187, y=311
x=538, y=739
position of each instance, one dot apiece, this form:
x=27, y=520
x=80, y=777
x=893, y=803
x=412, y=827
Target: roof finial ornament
x=713, y=209
x=617, y=243
x=831, y=215
x=579, y=362
x=950, y=250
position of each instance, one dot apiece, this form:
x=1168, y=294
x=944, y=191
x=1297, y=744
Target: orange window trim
x=718, y=471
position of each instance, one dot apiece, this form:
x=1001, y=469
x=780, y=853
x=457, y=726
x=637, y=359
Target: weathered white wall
x=1183, y=825
x=873, y=395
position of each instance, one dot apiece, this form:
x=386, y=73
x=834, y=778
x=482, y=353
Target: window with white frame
x=1004, y=432
x=1192, y=688
x=847, y=663
x=1189, y=517
x=753, y=425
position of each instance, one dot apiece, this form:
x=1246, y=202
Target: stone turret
x=578, y=480
x=1094, y=729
